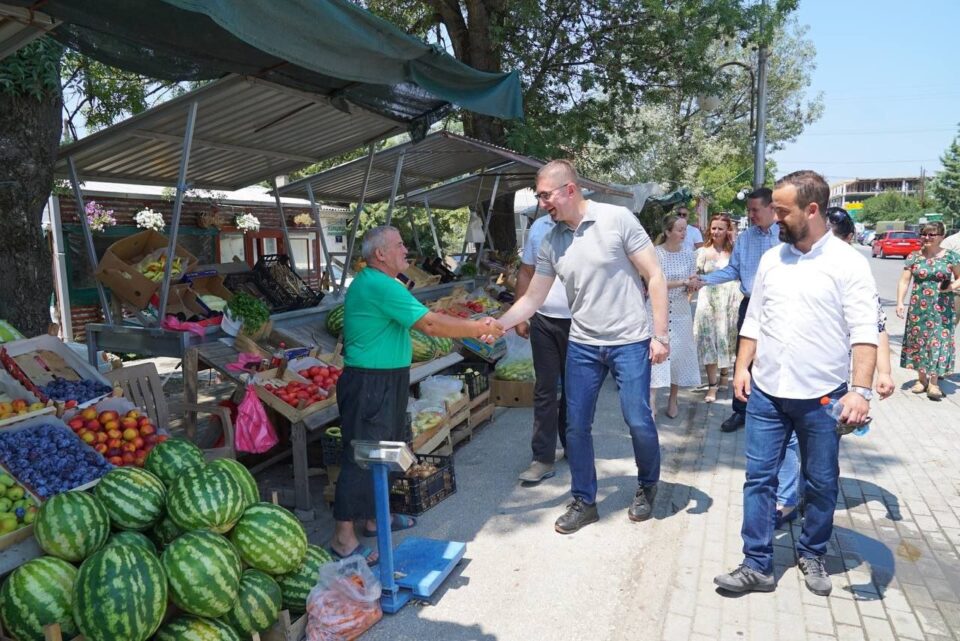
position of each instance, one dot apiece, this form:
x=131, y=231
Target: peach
x=128, y=458
x=132, y=414
x=89, y=437
x=93, y=425
x=115, y=434
x=109, y=415
x=128, y=422
x=101, y=447
x=116, y=460
x=129, y=435
x=110, y=425
x=76, y=424
x=128, y=447
x=102, y=437
x=139, y=442
x=88, y=414
x=147, y=429
x=114, y=443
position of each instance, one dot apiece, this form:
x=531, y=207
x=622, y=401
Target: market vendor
x=372, y=392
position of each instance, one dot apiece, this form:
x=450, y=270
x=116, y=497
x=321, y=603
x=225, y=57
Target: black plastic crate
x=477, y=381
x=282, y=282
x=332, y=447
x=414, y=496
x=249, y=283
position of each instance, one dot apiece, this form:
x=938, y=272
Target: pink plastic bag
x=254, y=433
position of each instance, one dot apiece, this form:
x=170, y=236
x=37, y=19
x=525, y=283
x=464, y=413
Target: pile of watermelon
x=426, y=347
x=178, y=531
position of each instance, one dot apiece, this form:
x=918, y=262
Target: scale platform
x=421, y=565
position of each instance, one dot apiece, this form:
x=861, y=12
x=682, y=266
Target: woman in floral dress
x=928, y=342
x=715, y=321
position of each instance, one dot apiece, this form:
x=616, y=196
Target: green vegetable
x=518, y=370
x=252, y=311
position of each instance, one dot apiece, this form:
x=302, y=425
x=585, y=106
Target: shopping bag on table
x=254, y=432
x=345, y=602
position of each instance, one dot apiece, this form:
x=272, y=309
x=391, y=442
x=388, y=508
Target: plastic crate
x=249, y=283
x=332, y=448
x=477, y=382
x=282, y=282
x=414, y=496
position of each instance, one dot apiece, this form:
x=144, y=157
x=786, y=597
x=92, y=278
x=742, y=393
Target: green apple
x=6, y=480
x=20, y=503
x=15, y=493
x=8, y=522
x=5, y=504
x=31, y=515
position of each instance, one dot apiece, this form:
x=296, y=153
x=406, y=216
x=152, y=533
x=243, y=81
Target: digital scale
x=418, y=566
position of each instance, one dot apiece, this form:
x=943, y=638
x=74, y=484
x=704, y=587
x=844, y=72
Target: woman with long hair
x=681, y=369
x=715, y=321
x=928, y=342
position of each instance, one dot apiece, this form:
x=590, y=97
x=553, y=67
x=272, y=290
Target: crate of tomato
x=295, y=396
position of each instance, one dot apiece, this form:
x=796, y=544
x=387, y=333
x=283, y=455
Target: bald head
x=559, y=172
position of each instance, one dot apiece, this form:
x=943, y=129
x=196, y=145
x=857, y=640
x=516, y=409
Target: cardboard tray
x=67, y=364
x=511, y=393
x=15, y=390
x=292, y=414
x=118, y=267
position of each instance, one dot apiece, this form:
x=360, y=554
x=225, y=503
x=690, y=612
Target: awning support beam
x=396, y=185
x=88, y=237
x=283, y=227
x=486, y=222
x=323, y=240
x=356, y=218
x=433, y=228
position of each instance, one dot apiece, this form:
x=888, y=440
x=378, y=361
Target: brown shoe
x=934, y=393
x=918, y=388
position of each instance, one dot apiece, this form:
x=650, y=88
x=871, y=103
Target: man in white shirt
x=694, y=238
x=813, y=299
x=548, y=331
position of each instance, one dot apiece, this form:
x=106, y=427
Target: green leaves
x=32, y=71
x=946, y=186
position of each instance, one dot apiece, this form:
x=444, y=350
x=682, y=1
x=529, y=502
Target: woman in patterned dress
x=715, y=321
x=682, y=368
x=928, y=342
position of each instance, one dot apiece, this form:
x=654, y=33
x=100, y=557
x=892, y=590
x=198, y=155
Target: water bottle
x=835, y=409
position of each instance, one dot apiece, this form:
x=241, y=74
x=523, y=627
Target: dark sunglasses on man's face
x=682, y=214
x=928, y=235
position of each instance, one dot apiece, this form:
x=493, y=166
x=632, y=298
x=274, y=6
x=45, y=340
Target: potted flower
x=149, y=219
x=247, y=222
x=303, y=220
x=99, y=218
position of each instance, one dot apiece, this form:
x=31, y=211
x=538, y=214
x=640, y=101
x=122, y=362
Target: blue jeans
x=789, y=478
x=587, y=367
x=770, y=422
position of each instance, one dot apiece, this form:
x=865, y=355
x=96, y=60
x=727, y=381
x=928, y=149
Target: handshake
x=489, y=329
x=694, y=283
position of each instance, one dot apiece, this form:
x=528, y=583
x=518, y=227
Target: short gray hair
x=375, y=239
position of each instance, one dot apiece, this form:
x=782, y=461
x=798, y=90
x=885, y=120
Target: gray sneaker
x=815, y=575
x=745, y=579
x=537, y=472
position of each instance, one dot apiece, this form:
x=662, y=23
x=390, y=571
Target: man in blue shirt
x=762, y=234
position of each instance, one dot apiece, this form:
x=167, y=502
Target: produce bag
x=345, y=603
x=517, y=364
x=254, y=432
x=426, y=414
x=441, y=388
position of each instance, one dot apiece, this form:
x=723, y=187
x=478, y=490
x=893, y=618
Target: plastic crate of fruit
x=280, y=280
x=332, y=443
x=425, y=484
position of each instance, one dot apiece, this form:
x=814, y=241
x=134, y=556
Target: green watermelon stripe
x=205, y=498
x=134, y=498
x=203, y=572
x=296, y=586
x=72, y=525
x=37, y=593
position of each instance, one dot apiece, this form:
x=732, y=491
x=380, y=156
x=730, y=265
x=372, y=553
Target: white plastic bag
x=345, y=603
x=517, y=364
x=425, y=415
x=441, y=388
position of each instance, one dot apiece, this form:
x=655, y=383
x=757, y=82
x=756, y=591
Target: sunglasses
x=929, y=235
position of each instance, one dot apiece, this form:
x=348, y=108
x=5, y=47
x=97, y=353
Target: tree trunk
x=29, y=139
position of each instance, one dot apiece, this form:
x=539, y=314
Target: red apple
x=147, y=430
x=88, y=414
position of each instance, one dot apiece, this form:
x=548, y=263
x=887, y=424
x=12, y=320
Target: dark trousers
x=373, y=407
x=739, y=406
x=548, y=340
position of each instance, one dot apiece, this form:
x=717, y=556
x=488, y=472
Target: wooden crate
x=292, y=414
x=288, y=628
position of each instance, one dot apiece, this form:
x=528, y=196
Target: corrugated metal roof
x=247, y=131
x=20, y=26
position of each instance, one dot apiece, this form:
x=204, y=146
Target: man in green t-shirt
x=372, y=392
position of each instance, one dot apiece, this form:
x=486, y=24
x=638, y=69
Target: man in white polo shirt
x=548, y=331
x=600, y=253
x=813, y=299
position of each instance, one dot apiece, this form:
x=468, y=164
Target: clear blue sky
x=890, y=74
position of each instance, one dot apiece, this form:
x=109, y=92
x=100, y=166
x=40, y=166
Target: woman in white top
x=682, y=368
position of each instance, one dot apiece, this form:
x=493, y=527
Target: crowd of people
x=787, y=305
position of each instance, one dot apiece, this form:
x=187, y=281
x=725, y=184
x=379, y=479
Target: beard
x=792, y=236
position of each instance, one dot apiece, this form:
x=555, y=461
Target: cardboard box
x=511, y=393
x=118, y=267
x=208, y=283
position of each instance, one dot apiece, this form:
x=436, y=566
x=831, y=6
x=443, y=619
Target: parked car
x=866, y=238
x=895, y=243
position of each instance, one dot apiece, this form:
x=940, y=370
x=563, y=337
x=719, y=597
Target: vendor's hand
x=855, y=409
x=901, y=310
x=523, y=329
x=490, y=330
x=741, y=384
x=694, y=283
x=885, y=385
x=658, y=352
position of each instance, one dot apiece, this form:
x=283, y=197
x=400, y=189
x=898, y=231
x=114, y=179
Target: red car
x=895, y=243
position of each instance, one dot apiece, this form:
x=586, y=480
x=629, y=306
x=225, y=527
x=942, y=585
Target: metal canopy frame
x=19, y=26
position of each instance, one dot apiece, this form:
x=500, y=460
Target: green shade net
x=329, y=47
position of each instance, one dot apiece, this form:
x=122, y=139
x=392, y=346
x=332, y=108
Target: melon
x=38, y=593
x=258, y=604
x=203, y=571
x=205, y=498
x=187, y=628
x=128, y=537
x=134, y=498
x=424, y=347
x=165, y=531
x=72, y=525
x=168, y=460
x=270, y=538
x=335, y=321
x=295, y=586
x=240, y=473
x=120, y=593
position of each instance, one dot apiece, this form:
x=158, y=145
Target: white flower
x=247, y=222
x=149, y=219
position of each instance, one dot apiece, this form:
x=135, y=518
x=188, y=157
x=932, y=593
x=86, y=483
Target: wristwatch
x=865, y=392
x=663, y=340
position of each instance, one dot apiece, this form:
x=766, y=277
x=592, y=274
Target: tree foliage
x=895, y=205
x=946, y=186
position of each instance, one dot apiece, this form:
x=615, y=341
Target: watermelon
x=134, y=498
x=444, y=345
x=335, y=320
x=258, y=604
x=203, y=571
x=270, y=539
x=168, y=460
x=120, y=593
x=186, y=628
x=165, y=531
x=205, y=498
x=128, y=537
x=295, y=586
x=72, y=525
x=424, y=348
x=38, y=593
x=248, y=484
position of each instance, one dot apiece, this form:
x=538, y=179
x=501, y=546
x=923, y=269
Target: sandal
x=934, y=393
x=711, y=393
x=724, y=380
x=918, y=388
x=674, y=415
x=362, y=550
x=398, y=522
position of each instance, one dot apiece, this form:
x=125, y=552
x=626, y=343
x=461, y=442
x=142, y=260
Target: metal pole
x=462, y=258
x=356, y=218
x=88, y=237
x=323, y=240
x=396, y=185
x=433, y=228
x=283, y=226
x=413, y=227
x=486, y=222
x=759, y=152
x=60, y=268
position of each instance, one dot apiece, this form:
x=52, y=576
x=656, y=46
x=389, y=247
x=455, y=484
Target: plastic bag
x=345, y=603
x=517, y=364
x=442, y=388
x=426, y=414
x=254, y=432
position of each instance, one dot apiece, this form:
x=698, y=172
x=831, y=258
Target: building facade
x=859, y=189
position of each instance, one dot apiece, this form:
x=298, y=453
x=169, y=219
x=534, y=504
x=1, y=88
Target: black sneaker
x=815, y=575
x=732, y=424
x=578, y=514
x=642, y=508
x=745, y=579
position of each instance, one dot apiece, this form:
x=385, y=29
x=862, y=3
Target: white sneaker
x=537, y=472
x=560, y=455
